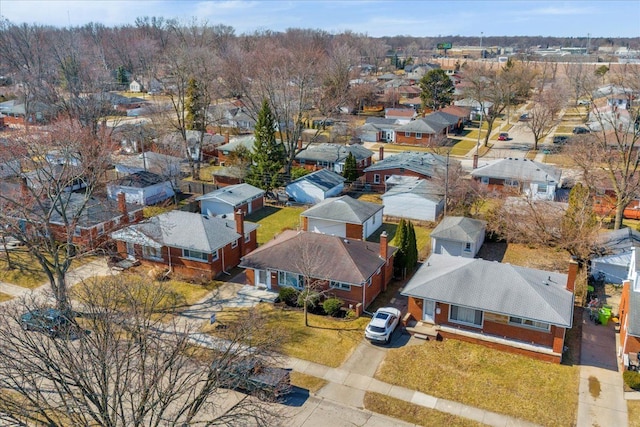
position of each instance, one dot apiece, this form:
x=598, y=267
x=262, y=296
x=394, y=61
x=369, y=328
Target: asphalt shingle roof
x=521, y=169
x=344, y=209
x=140, y=179
x=233, y=194
x=459, y=229
x=323, y=179
x=333, y=152
x=186, y=230
x=320, y=255
x=426, y=164
x=417, y=187
x=494, y=287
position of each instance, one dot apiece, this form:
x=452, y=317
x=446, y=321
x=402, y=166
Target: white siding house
x=412, y=198
x=458, y=236
x=316, y=186
x=344, y=217
x=227, y=200
x=141, y=188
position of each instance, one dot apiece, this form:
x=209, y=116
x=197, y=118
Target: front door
x=262, y=279
x=429, y=311
x=131, y=254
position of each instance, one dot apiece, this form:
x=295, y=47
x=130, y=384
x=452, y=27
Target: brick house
x=502, y=306
x=629, y=313
x=343, y=217
x=407, y=163
x=189, y=244
x=332, y=156
x=353, y=270
x=424, y=131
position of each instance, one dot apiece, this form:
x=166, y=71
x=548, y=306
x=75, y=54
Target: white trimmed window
x=376, y=178
x=511, y=182
x=484, y=180
x=341, y=286
x=247, y=237
x=407, y=134
x=149, y=252
x=77, y=232
x=196, y=255
x=418, y=135
x=234, y=244
x=100, y=229
x=290, y=279
x=467, y=247
x=466, y=316
x=542, y=187
x=529, y=323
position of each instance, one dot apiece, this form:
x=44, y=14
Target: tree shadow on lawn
x=262, y=213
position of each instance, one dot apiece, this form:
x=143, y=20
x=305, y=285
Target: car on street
x=504, y=136
x=580, y=130
x=560, y=139
x=524, y=117
x=584, y=102
x=47, y=320
x=381, y=327
x=249, y=374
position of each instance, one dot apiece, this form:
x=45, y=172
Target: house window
x=484, y=180
x=196, y=255
x=464, y=315
x=341, y=286
x=302, y=161
x=100, y=229
x=234, y=244
x=369, y=282
x=132, y=217
x=386, y=177
x=529, y=323
x=418, y=135
x=542, y=188
x=467, y=247
x=77, y=232
x=149, y=252
x=376, y=179
x=214, y=255
x=290, y=279
x=407, y=134
x=247, y=237
x=511, y=182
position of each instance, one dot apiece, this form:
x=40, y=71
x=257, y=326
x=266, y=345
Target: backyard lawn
x=423, y=241
x=539, y=392
x=274, y=220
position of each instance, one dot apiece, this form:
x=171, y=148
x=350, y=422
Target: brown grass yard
x=5, y=297
x=633, y=407
x=518, y=254
x=274, y=220
x=307, y=382
x=411, y=413
x=510, y=384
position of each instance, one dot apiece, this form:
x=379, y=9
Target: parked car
x=524, y=117
x=580, y=130
x=560, y=139
x=49, y=321
x=504, y=136
x=584, y=102
x=250, y=375
x=384, y=322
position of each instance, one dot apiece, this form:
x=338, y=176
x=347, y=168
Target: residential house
x=477, y=108
x=402, y=116
x=141, y=188
x=412, y=198
x=458, y=236
x=196, y=143
x=10, y=165
x=425, y=130
x=135, y=86
x=223, y=151
x=407, y=163
x=462, y=113
x=615, y=249
x=503, y=306
x=316, y=186
x=189, y=244
x=228, y=175
x=629, y=314
x=332, y=156
x=227, y=200
x=534, y=179
x=355, y=271
x=160, y=164
x=343, y=216
x=378, y=129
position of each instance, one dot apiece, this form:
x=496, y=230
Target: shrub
x=351, y=315
x=632, y=379
x=311, y=297
x=289, y=296
x=332, y=306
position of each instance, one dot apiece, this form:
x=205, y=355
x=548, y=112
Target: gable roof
x=140, y=179
x=186, y=230
x=333, y=152
x=410, y=185
x=332, y=257
x=234, y=195
x=495, y=287
x=93, y=211
x=522, y=169
x=426, y=164
x=246, y=141
x=459, y=229
x=154, y=162
x=441, y=118
x=458, y=111
x=323, y=179
x=420, y=126
x=619, y=241
x=343, y=209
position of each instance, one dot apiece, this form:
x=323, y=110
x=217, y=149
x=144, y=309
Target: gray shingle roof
x=94, y=210
x=494, y=287
x=441, y=118
x=234, y=194
x=333, y=152
x=523, y=170
x=323, y=179
x=619, y=241
x=140, y=179
x=418, y=187
x=323, y=256
x=426, y=164
x=420, y=126
x=246, y=141
x=459, y=229
x=186, y=230
x=344, y=209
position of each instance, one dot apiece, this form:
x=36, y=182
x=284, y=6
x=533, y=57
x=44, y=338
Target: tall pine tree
x=412, y=247
x=196, y=118
x=400, y=238
x=268, y=157
x=350, y=171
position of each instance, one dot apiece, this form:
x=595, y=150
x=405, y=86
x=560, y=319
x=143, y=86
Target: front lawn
x=5, y=297
x=518, y=386
x=412, y=413
x=327, y=340
x=633, y=408
x=26, y=272
x=462, y=147
x=307, y=382
x=274, y=220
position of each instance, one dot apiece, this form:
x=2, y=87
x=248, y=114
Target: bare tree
x=544, y=114
x=128, y=361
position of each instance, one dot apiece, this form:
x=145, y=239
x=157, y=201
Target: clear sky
x=574, y=18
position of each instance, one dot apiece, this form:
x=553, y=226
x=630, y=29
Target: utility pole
x=446, y=184
x=481, y=55
x=588, y=42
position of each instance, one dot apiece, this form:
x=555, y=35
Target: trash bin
x=604, y=316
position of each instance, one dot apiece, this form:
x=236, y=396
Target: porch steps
x=260, y=295
x=422, y=330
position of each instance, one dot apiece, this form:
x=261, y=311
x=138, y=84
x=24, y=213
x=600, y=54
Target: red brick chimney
x=239, y=218
x=226, y=138
x=384, y=246
x=381, y=153
x=571, y=275
x=300, y=143
x=122, y=207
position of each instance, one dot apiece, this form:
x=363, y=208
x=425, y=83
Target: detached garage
x=458, y=236
x=141, y=188
x=412, y=198
x=316, y=187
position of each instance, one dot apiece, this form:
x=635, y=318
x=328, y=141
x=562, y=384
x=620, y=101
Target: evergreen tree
x=400, y=239
x=412, y=247
x=350, y=171
x=437, y=89
x=121, y=76
x=269, y=155
x=196, y=118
